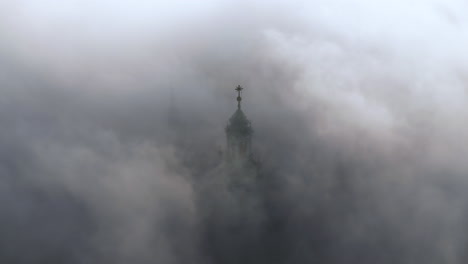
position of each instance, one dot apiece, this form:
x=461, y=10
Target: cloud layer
x=112, y=117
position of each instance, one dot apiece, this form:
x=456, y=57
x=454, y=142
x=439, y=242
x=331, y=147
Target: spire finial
x=239, y=98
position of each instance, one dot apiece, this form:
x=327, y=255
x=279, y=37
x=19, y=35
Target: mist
x=112, y=117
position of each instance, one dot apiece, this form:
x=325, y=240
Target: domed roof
x=239, y=124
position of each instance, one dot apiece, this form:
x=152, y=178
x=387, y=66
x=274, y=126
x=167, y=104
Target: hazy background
x=111, y=113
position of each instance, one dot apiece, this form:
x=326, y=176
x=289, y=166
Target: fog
x=112, y=117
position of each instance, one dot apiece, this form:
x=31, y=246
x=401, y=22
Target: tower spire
x=239, y=98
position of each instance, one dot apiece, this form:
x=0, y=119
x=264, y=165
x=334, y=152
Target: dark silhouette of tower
x=239, y=136
x=233, y=203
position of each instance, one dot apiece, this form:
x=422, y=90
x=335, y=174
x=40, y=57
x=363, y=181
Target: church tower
x=239, y=135
x=232, y=198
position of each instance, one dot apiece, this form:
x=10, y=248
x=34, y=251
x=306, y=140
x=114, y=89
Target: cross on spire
x=239, y=98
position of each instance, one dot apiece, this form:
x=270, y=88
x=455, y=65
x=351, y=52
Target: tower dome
x=239, y=125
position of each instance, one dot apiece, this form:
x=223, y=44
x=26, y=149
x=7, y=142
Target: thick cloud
x=112, y=117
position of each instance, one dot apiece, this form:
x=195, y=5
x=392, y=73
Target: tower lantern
x=239, y=98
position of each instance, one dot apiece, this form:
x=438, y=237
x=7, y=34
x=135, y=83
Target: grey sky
x=358, y=109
